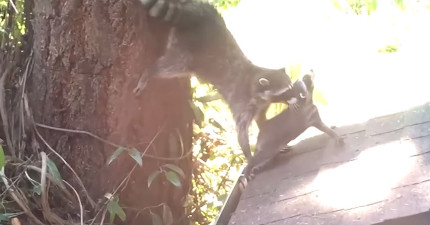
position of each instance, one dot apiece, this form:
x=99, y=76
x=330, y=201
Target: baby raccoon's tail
x=181, y=13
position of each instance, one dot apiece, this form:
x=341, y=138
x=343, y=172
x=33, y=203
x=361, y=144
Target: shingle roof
x=382, y=172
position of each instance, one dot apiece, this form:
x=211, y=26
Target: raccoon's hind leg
x=170, y=65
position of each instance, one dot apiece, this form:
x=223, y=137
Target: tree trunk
x=88, y=57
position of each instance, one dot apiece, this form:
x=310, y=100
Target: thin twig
x=52, y=179
x=78, y=132
x=139, y=211
x=13, y=6
x=18, y=200
x=10, y=186
x=23, y=102
x=91, y=201
x=180, y=141
x=103, y=216
x=46, y=209
x=43, y=188
x=81, y=208
x=111, y=143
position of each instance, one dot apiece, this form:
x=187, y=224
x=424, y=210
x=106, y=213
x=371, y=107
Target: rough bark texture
x=88, y=56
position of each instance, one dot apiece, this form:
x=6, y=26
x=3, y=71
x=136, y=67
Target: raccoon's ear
x=312, y=73
x=264, y=82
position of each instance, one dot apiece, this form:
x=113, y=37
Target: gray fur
x=200, y=43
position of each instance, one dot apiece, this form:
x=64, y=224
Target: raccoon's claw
x=243, y=182
x=285, y=149
x=295, y=107
x=143, y=81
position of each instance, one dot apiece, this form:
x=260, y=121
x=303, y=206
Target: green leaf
x=135, y=154
x=8, y=216
x=152, y=177
x=167, y=215
x=156, y=220
x=53, y=170
x=115, y=154
x=115, y=210
x=173, y=178
x=176, y=169
x=2, y=158
x=5, y=217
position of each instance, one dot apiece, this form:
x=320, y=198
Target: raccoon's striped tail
x=185, y=13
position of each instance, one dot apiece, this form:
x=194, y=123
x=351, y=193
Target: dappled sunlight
x=367, y=179
x=357, y=80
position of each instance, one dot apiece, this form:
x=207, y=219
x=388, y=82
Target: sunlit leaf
x=156, y=220
x=176, y=169
x=2, y=158
x=152, y=177
x=216, y=124
x=295, y=71
x=371, y=6
x=319, y=97
x=115, y=210
x=173, y=178
x=167, y=215
x=53, y=170
x=135, y=154
x=337, y=5
x=115, y=154
x=400, y=4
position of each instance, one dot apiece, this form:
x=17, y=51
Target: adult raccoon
x=199, y=42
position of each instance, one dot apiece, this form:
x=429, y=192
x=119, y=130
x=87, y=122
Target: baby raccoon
x=285, y=127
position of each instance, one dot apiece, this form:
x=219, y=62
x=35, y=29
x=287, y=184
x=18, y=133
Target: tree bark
x=88, y=57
